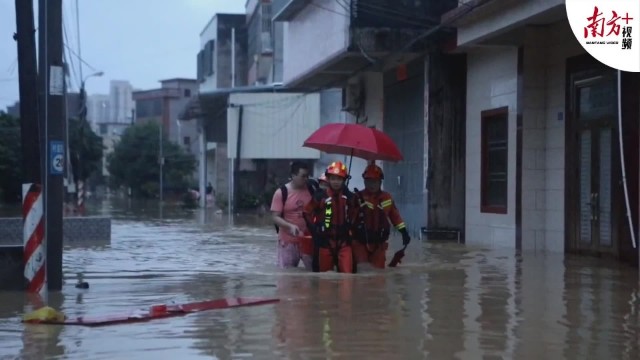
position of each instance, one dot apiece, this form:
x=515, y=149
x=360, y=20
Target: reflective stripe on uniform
x=401, y=226
x=327, y=214
x=386, y=203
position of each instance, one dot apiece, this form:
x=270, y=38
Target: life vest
x=373, y=226
x=332, y=221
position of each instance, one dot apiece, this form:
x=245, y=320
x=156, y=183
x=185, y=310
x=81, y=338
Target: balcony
x=327, y=41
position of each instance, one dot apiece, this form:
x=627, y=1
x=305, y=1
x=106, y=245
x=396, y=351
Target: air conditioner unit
x=353, y=97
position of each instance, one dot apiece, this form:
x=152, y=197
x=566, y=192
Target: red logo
x=598, y=24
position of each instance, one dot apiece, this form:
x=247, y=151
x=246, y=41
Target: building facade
x=163, y=106
x=121, y=101
x=544, y=135
x=376, y=54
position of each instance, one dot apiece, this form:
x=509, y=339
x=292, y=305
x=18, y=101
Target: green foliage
x=84, y=145
x=249, y=201
x=221, y=201
x=85, y=150
x=134, y=162
x=10, y=158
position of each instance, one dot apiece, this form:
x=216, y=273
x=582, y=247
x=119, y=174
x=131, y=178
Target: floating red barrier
x=157, y=312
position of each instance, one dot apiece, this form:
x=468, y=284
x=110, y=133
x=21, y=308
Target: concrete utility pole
x=82, y=115
x=161, y=160
x=51, y=111
x=28, y=78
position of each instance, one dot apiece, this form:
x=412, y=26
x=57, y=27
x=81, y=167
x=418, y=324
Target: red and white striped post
x=35, y=253
x=80, y=192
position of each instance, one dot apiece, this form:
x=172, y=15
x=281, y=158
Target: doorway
x=591, y=134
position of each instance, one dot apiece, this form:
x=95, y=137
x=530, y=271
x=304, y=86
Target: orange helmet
x=373, y=172
x=322, y=177
x=337, y=168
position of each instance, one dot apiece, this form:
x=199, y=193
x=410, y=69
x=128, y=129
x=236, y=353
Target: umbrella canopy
x=355, y=140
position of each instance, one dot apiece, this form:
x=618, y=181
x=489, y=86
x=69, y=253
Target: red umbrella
x=355, y=140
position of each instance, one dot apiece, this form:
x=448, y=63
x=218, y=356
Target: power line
x=78, y=35
x=468, y=9
x=328, y=10
x=79, y=58
x=68, y=58
x=422, y=36
x=395, y=14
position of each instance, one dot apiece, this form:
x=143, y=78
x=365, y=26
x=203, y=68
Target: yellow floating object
x=44, y=314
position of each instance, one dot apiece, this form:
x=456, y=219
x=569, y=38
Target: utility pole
x=82, y=121
x=232, y=164
x=160, y=159
x=51, y=110
x=28, y=77
x=34, y=242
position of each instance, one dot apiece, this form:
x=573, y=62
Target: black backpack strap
x=285, y=194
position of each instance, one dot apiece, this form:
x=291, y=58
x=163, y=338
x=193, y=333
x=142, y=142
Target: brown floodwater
x=445, y=301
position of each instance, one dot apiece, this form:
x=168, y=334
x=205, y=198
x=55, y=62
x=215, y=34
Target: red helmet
x=373, y=172
x=322, y=178
x=337, y=168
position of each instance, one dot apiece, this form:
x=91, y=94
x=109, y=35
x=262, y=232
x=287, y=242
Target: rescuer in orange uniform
x=331, y=217
x=372, y=227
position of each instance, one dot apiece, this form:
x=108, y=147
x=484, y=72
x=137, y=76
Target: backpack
x=312, y=186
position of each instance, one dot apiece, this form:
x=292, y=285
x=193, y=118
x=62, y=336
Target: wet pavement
x=445, y=301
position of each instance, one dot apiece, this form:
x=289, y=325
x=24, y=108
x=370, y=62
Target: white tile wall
x=491, y=83
x=317, y=34
x=498, y=21
x=533, y=139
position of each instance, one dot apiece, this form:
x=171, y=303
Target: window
x=148, y=107
x=186, y=141
x=200, y=65
x=494, y=161
x=187, y=92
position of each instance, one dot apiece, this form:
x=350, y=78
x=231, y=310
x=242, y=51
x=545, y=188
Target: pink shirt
x=296, y=200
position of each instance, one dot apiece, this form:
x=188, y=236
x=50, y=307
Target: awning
x=209, y=103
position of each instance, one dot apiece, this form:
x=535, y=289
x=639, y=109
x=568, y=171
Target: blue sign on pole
x=56, y=157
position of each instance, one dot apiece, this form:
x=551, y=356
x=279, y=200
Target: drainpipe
x=202, y=143
x=238, y=152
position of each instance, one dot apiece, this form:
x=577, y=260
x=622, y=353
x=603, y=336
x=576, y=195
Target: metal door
x=404, y=123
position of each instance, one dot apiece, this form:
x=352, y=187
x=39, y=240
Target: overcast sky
x=142, y=41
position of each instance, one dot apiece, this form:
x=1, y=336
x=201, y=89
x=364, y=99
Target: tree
x=134, y=162
x=10, y=159
x=85, y=149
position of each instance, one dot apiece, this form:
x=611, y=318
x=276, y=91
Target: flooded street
x=445, y=301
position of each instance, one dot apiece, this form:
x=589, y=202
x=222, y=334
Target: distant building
x=120, y=101
x=214, y=58
x=110, y=133
x=163, y=105
x=72, y=107
x=98, y=110
x=14, y=110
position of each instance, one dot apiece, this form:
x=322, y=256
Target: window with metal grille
x=494, y=160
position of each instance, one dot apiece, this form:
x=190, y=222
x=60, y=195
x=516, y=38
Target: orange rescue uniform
x=372, y=227
x=331, y=219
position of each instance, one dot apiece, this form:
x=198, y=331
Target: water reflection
x=445, y=301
